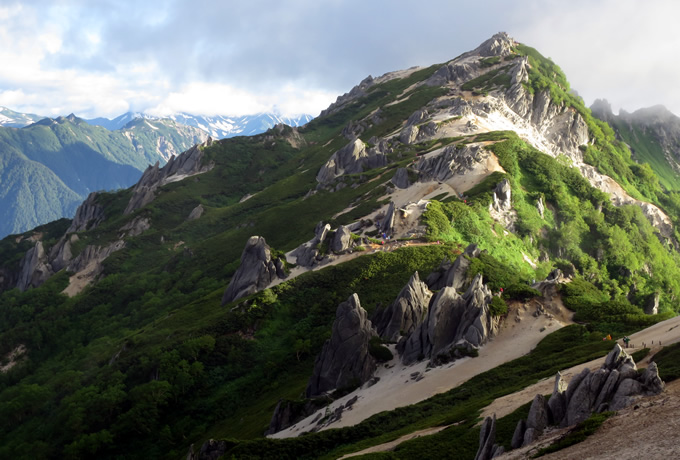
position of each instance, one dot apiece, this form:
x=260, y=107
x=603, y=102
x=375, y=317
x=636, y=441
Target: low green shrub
x=380, y=352
x=498, y=307
x=520, y=291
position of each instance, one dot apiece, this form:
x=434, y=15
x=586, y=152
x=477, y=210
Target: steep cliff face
x=345, y=359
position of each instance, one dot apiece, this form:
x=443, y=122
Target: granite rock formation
x=256, y=272
x=488, y=448
x=88, y=215
x=353, y=158
x=406, y=313
x=617, y=384
x=452, y=321
x=345, y=359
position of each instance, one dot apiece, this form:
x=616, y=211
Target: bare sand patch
x=401, y=385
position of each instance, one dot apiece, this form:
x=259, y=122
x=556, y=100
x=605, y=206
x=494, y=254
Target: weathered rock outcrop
x=307, y=254
x=453, y=275
x=352, y=159
x=60, y=254
x=406, y=313
x=536, y=422
x=135, y=227
x=342, y=240
x=34, y=269
x=387, y=222
x=400, y=179
x=256, y=272
x=488, y=448
x=345, y=359
x=452, y=320
x=450, y=161
x=210, y=450
x=502, y=197
x=94, y=254
x=549, y=286
x=652, y=304
x=88, y=215
x=617, y=384
x=196, y=213
x=177, y=168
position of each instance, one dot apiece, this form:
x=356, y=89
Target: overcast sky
x=106, y=57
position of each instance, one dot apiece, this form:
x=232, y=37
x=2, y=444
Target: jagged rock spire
x=345, y=358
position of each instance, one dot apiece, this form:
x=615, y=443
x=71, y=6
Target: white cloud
x=98, y=58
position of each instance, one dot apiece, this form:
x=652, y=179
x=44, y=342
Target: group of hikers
x=626, y=341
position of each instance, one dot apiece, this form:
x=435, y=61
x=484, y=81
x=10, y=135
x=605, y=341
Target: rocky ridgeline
x=552, y=127
x=39, y=264
x=88, y=215
x=616, y=385
x=187, y=164
x=345, y=360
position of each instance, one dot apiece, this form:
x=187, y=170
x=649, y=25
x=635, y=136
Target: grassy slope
x=186, y=368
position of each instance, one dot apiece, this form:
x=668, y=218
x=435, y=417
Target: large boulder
x=352, y=159
x=256, y=272
x=342, y=240
x=345, y=359
x=406, y=313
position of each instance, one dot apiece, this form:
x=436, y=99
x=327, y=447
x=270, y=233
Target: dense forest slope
x=118, y=339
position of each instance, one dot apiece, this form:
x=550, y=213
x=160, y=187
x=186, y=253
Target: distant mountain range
x=218, y=126
x=48, y=166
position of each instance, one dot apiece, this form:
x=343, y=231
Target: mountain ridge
x=447, y=154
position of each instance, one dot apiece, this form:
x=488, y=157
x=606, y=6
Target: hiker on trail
x=626, y=340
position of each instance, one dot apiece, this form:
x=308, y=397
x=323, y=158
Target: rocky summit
x=438, y=240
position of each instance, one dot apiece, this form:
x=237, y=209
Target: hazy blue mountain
x=49, y=167
x=218, y=126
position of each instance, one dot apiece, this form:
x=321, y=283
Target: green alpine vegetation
x=145, y=360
